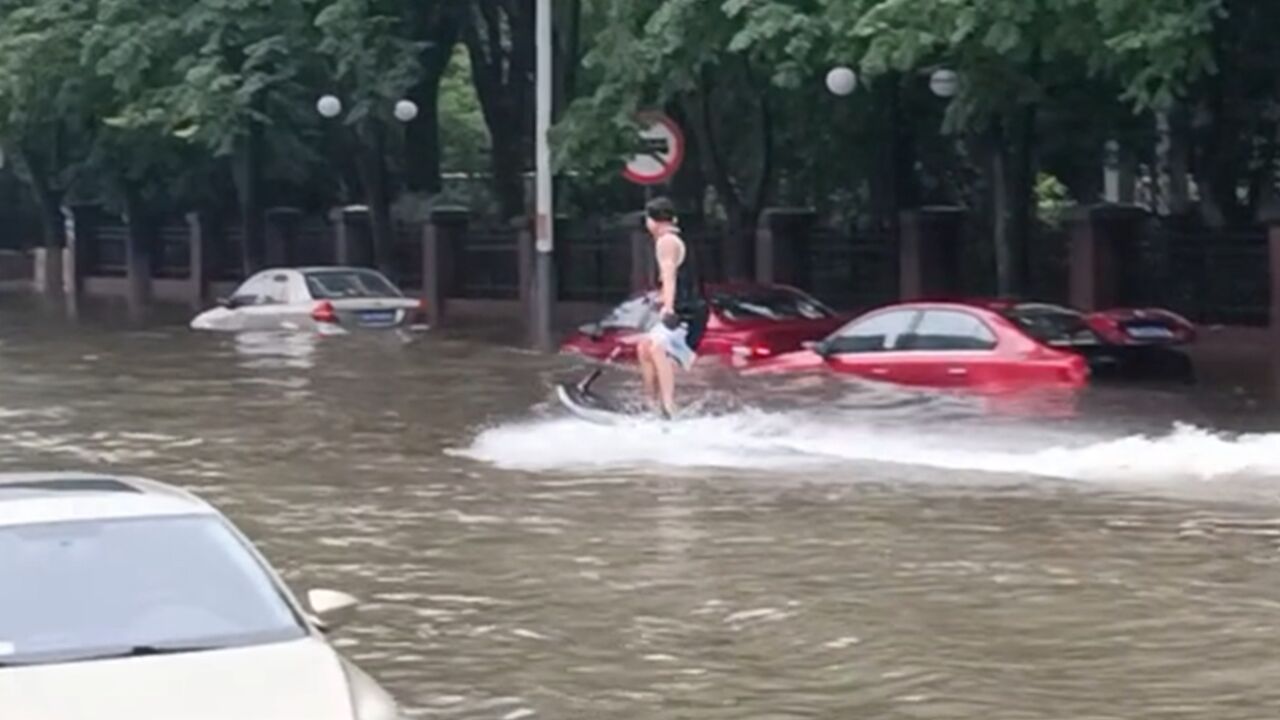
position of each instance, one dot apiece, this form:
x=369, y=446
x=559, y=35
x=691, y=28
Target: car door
x=949, y=348
x=867, y=346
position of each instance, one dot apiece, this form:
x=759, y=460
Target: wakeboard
x=592, y=407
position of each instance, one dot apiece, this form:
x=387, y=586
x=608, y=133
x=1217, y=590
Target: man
x=682, y=309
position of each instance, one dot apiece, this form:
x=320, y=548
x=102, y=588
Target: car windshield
x=96, y=588
x=635, y=313
x=1051, y=324
x=340, y=284
x=769, y=304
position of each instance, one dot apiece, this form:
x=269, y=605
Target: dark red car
x=1119, y=343
x=748, y=321
x=937, y=345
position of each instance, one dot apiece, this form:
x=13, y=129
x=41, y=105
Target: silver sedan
x=327, y=300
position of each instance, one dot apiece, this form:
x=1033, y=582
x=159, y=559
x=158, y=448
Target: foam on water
x=757, y=439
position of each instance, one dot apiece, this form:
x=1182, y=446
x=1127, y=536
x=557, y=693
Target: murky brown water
x=885, y=557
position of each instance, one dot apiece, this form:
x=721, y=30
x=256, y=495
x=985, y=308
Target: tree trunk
x=249, y=182
x=139, y=255
x=48, y=200
x=373, y=176
x=1005, y=261
x=568, y=32
x=1022, y=203
x=906, y=178
x=502, y=58
x=507, y=165
x=422, y=140
x=1173, y=190
x=422, y=135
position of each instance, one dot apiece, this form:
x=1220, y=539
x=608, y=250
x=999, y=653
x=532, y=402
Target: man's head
x=659, y=214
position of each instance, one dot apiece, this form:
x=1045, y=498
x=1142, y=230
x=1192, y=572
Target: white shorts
x=674, y=343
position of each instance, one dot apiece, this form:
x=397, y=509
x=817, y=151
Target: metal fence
x=850, y=271
x=488, y=265
x=173, y=252
x=593, y=265
x=1211, y=276
x=1048, y=258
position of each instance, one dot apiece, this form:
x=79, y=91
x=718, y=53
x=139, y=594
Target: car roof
x=1000, y=305
x=306, y=269
x=736, y=286
x=30, y=498
x=335, y=268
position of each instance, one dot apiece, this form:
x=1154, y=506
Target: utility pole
x=543, y=295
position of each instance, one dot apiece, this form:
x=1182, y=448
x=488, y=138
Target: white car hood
x=301, y=679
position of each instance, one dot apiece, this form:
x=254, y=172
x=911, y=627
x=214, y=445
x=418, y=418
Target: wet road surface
x=816, y=550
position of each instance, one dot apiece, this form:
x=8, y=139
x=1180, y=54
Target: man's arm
x=668, y=259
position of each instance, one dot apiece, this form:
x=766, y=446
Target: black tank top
x=690, y=302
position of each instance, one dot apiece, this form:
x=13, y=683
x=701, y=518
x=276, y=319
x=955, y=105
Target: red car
x=937, y=345
x=747, y=320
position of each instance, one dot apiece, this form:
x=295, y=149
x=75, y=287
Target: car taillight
x=1076, y=371
x=323, y=312
x=1109, y=329
x=755, y=350
x=420, y=312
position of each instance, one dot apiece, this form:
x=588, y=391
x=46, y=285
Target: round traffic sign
x=662, y=151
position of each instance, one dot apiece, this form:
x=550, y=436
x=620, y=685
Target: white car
x=329, y=300
x=128, y=598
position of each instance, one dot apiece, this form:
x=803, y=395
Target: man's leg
x=664, y=367
x=645, y=352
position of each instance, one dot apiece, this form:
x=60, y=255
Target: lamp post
x=543, y=295
x=330, y=106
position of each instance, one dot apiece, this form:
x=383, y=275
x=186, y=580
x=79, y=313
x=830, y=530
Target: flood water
x=798, y=550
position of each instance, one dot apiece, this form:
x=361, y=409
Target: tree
x=47, y=101
x=374, y=66
x=1013, y=58
x=688, y=58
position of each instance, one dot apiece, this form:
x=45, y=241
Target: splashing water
x=753, y=439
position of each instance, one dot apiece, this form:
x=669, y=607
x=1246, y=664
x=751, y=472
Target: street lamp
x=944, y=83
x=841, y=80
x=406, y=110
x=329, y=106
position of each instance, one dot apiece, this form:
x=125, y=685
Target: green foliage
x=1052, y=199
x=366, y=57
x=464, y=138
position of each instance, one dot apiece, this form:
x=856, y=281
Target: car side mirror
x=817, y=346
x=226, y=303
x=331, y=609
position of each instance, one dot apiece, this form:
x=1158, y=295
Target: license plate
x=1150, y=332
x=377, y=317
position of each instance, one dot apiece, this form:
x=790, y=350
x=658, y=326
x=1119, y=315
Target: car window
x=632, y=314
x=1052, y=325
x=254, y=291
x=769, y=304
x=877, y=333
x=949, y=330
x=276, y=289
x=88, y=588
x=340, y=284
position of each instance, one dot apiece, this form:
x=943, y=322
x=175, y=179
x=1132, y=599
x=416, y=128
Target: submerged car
x=129, y=598
x=329, y=300
x=936, y=345
x=1119, y=343
x=746, y=320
